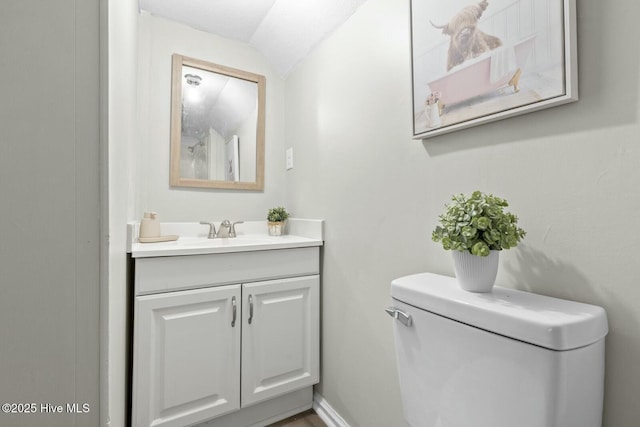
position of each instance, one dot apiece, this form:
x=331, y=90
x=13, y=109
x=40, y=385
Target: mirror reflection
x=217, y=136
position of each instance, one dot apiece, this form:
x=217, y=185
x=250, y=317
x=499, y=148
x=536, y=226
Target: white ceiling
x=284, y=31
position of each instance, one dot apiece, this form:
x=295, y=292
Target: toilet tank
x=502, y=359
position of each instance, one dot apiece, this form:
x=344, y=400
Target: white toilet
x=502, y=359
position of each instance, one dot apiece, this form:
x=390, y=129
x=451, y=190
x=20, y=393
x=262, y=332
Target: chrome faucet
x=212, y=229
x=226, y=229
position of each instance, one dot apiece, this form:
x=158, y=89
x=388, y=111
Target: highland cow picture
x=476, y=61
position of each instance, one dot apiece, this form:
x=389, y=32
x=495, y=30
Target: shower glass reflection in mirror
x=217, y=126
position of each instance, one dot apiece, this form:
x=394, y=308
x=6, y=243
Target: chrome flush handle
x=399, y=315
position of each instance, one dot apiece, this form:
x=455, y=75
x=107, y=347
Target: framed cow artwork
x=477, y=61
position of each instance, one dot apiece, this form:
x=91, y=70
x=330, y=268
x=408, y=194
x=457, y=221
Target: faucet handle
x=212, y=229
x=232, y=230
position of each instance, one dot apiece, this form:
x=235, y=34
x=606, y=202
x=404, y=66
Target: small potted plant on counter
x=277, y=220
x=476, y=228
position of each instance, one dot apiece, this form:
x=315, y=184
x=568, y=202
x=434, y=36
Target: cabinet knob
x=250, y=309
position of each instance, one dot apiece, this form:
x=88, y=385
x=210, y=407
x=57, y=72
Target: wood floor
x=304, y=419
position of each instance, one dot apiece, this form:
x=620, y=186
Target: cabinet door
x=280, y=337
x=186, y=356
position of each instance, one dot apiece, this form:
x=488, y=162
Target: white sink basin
x=224, y=241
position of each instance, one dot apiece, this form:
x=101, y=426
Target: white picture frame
x=463, y=77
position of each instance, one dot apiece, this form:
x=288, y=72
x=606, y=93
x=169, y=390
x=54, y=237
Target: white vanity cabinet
x=187, y=356
x=280, y=337
x=229, y=337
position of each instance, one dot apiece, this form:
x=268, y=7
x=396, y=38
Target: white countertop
x=251, y=236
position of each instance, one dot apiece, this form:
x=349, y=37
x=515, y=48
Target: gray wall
x=571, y=173
x=50, y=208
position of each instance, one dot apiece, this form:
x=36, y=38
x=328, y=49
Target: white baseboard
x=326, y=413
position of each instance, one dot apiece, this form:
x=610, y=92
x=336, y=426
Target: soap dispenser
x=150, y=230
x=150, y=226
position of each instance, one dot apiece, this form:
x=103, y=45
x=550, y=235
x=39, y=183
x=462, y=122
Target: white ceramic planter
x=276, y=228
x=476, y=273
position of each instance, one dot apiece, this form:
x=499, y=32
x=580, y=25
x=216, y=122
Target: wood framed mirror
x=217, y=126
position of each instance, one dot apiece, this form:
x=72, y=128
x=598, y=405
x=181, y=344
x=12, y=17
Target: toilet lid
x=545, y=321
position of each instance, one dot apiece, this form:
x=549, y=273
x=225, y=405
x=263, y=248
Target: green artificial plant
x=278, y=214
x=478, y=224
